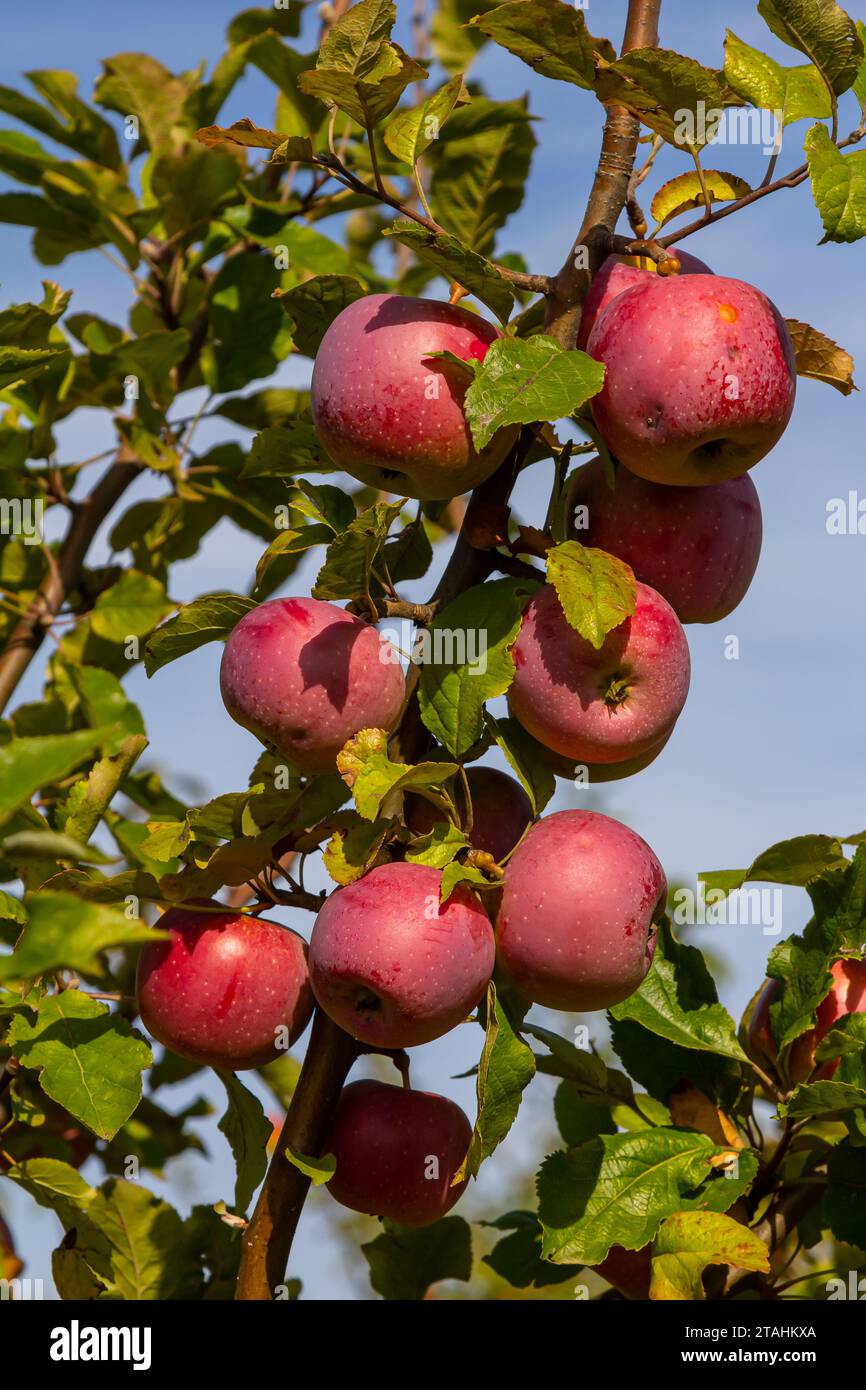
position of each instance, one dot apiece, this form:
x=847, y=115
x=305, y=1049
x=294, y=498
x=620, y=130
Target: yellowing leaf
x=685, y=192
x=689, y=1242
x=596, y=590
x=820, y=358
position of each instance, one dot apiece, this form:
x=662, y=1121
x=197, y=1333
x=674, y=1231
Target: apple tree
x=357, y=222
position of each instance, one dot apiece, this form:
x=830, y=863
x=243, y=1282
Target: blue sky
x=769, y=745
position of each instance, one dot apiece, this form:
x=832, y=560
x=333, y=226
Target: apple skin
x=698, y=546
x=847, y=995
x=391, y=966
x=576, y=924
x=501, y=811
x=305, y=676
x=629, y=1271
x=561, y=692
x=619, y=273
x=603, y=772
x=218, y=990
x=383, y=1138
x=675, y=350
x=373, y=404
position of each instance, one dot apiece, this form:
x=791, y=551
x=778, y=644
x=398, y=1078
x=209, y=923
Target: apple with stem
x=305, y=676
x=501, y=811
x=393, y=966
x=699, y=380
x=225, y=989
x=600, y=705
x=619, y=273
x=697, y=546
x=576, y=928
x=389, y=411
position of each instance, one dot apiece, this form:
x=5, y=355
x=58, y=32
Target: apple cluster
x=699, y=385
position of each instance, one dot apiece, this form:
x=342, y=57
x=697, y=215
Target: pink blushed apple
x=388, y=412
x=698, y=547
x=227, y=990
x=700, y=378
x=847, y=995
x=606, y=705
x=619, y=273
x=576, y=924
x=305, y=676
x=397, y=1151
x=391, y=965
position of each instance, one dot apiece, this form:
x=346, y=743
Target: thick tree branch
x=609, y=191
x=268, y=1237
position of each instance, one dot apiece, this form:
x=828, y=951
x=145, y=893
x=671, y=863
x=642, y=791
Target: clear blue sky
x=769, y=746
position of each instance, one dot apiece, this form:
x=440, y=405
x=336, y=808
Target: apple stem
x=267, y=1240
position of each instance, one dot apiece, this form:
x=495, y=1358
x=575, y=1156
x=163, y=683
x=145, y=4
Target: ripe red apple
x=605, y=705
x=699, y=381
x=501, y=811
x=305, y=676
x=393, y=967
x=698, y=546
x=602, y=772
x=576, y=925
x=220, y=989
x=392, y=415
x=629, y=1271
x=847, y=995
x=397, y=1151
x=619, y=273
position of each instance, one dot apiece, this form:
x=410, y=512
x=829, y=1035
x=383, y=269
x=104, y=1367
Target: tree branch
x=268, y=1237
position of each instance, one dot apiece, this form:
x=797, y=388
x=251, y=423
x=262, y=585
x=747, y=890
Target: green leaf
x=136, y=84
x=249, y=24
x=592, y=1081
x=248, y=1129
x=64, y=933
x=50, y=844
x=596, y=590
x=823, y=31
x=354, y=847
x=797, y=862
x=505, y=1070
x=678, y=1001
x=370, y=97
x=522, y=380
x=455, y=874
x=576, y=1119
x=190, y=184
x=517, y=1257
x=526, y=758
x=89, y=1060
x=618, y=1188
x=314, y=304
x=291, y=543
x=350, y=560
x=455, y=42
x=457, y=262
x=252, y=332
x=820, y=358
x=859, y=85
x=409, y=133
x=685, y=192
x=207, y=619
x=130, y=608
x=550, y=36
x=318, y=1170
x=469, y=660
x=26, y=764
x=689, y=1242
x=796, y=92
x=480, y=165
x=372, y=777
x=354, y=42
x=838, y=186
x=823, y=1098
x=405, y=1262
x=670, y=93
x=439, y=847
x=843, y=1208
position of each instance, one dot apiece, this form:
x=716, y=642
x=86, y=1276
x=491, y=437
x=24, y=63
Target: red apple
x=699, y=381
x=605, y=705
x=576, y=925
x=392, y=966
x=619, y=273
x=698, y=546
x=305, y=676
x=397, y=1151
x=629, y=1271
x=501, y=811
x=602, y=772
x=223, y=988
x=392, y=415
x=847, y=995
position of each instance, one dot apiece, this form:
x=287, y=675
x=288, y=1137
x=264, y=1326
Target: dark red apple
x=501, y=811
x=391, y=414
x=392, y=966
x=305, y=676
x=226, y=990
x=576, y=925
x=699, y=381
x=397, y=1151
x=606, y=705
x=698, y=546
